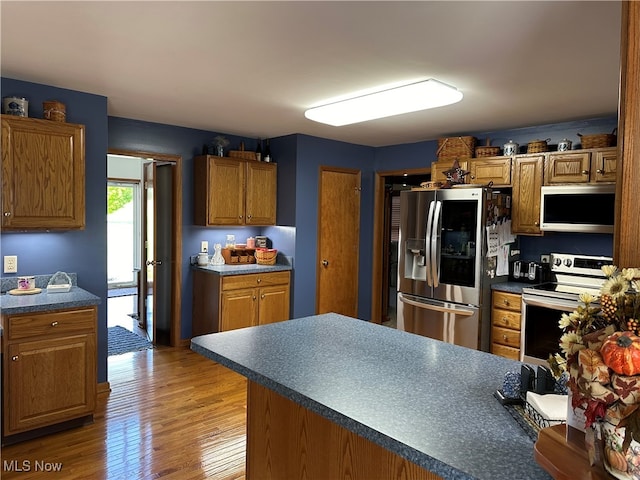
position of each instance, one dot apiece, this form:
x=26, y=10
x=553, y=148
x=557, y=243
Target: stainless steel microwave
x=578, y=208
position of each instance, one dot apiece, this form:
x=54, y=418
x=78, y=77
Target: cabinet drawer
x=505, y=318
x=50, y=323
x=504, y=351
x=505, y=336
x=252, y=280
x=510, y=301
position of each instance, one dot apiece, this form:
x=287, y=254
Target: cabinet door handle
x=262, y=296
x=504, y=337
x=249, y=217
x=254, y=298
x=54, y=324
x=506, y=302
x=585, y=172
x=504, y=319
x=599, y=172
x=325, y=263
x=7, y=214
x=14, y=358
x=259, y=280
x=240, y=217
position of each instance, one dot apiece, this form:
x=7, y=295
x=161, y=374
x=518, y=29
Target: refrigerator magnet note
x=493, y=241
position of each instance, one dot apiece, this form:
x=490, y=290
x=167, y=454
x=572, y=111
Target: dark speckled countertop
x=427, y=401
x=510, y=287
x=43, y=301
x=283, y=263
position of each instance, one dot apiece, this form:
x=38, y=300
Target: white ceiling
x=252, y=68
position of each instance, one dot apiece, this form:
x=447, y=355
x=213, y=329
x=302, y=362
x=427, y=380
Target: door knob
x=325, y=263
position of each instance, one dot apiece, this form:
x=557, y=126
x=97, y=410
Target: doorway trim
x=378, y=235
x=176, y=250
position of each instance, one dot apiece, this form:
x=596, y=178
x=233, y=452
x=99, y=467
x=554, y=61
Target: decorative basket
x=538, y=146
x=243, y=154
x=238, y=256
x=54, y=110
x=599, y=140
x=450, y=148
x=487, y=150
x=266, y=256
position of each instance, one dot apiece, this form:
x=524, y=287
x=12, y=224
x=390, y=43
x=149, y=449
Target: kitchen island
x=337, y=397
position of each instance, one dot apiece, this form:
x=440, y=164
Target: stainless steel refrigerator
x=443, y=274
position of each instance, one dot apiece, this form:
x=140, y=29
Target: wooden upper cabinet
x=261, y=193
x=527, y=184
x=483, y=171
x=231, y=191
x=438, y=168
x=43, y=174
x=588, y=166
x=604, y=164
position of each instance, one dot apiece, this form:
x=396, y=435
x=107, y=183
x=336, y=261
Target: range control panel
x=579, y=264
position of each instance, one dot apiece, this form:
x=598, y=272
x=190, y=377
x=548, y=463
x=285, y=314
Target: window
x=123, y=233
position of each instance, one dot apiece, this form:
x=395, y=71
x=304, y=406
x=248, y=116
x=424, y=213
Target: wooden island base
x=287, y=440
x=564, y=461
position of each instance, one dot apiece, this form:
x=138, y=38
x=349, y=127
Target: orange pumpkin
x=621, y=353
x=616, y=459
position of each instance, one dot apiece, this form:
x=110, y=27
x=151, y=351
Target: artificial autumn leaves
x=606, y=374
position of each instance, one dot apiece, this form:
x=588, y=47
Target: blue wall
x=299, y=158
x=83, y=252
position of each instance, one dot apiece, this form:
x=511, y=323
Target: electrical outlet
x=545, y=258
x=204, y=246
x=10, y=264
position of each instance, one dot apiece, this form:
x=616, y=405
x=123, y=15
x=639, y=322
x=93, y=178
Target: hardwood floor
x=171, y=414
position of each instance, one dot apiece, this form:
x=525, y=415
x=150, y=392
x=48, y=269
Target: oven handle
x=555, y=304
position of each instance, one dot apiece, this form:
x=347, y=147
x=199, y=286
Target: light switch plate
x=204, y=246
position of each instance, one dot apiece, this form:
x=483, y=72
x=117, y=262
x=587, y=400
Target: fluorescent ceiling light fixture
x=386, y=103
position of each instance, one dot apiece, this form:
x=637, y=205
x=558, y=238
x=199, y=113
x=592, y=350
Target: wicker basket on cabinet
x=266, y=256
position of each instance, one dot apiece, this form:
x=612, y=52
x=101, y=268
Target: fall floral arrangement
x=600, y=348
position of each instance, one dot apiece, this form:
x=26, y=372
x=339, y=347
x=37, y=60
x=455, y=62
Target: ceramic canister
x=564, y=145
x=18, y=106
x=203, y=258
x=510, y=148
x=26, y=283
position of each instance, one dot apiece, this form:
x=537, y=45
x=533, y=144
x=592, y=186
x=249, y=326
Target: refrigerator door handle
x=428, y=306
x=435, y=238
x=427, y=240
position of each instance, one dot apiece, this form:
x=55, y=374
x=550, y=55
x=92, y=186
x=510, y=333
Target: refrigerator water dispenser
x=415, y=260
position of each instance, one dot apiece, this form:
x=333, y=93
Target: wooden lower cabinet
x=505, y=324
x=227, y=302
x=49, y=368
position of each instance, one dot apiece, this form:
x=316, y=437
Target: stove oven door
x=540, y=332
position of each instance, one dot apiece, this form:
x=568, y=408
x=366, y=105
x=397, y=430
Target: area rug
x=122, y=341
